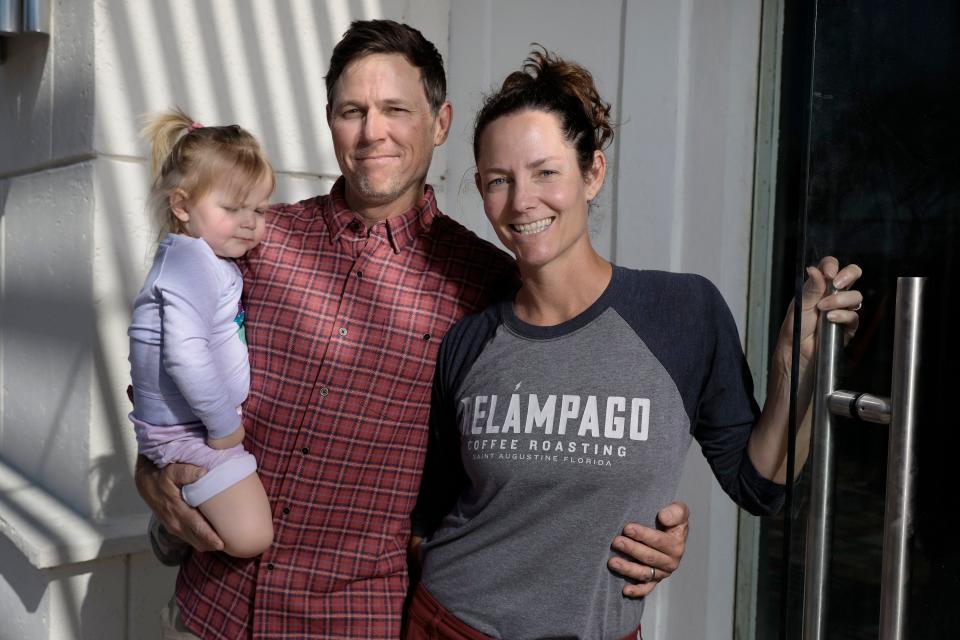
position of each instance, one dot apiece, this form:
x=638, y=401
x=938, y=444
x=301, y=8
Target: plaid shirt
x=343, y=327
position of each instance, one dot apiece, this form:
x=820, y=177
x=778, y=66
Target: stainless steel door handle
x=899, y=411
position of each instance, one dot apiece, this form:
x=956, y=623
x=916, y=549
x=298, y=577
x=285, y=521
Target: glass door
x=869, y=171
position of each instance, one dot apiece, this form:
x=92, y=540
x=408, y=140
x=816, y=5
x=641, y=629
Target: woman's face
x=534, y=193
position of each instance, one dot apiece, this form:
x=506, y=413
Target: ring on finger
x=858, y=307
x=653, y=574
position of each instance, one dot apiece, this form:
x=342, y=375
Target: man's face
x=384, y=133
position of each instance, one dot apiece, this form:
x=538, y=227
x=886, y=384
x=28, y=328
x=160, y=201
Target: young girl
x=188, y=355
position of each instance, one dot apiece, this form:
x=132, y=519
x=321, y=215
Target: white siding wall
x=74, y=245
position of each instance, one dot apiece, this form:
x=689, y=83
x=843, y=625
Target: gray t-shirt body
x=546, y=441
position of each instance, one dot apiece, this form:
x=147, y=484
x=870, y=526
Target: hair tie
x=195, y=126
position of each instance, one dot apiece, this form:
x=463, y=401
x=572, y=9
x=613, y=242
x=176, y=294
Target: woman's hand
x=769, y=441
x=841, y=307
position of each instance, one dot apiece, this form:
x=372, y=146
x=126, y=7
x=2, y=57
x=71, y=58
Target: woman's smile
x=536, y=226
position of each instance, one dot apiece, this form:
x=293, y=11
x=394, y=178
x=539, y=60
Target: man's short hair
x=366, y=37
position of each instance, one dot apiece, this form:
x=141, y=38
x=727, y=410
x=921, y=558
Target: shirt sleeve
x=443, y=473
x=188, y=290
x=726, y=414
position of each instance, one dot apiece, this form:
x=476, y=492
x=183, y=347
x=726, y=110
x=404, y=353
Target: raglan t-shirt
x=546, y=441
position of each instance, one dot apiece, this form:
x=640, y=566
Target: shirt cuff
x=762, y=497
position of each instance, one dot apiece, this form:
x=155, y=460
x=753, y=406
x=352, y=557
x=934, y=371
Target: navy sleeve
x=727, y=412
x=444, y=477
x=685, y=322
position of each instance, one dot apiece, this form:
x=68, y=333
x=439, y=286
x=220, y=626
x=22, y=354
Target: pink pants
x=164, y=444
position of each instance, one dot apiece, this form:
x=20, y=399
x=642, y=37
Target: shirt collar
x=400, y=230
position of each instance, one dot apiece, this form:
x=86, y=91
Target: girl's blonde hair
x=189, y=156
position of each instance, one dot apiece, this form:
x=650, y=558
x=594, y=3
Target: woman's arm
x=767, y=446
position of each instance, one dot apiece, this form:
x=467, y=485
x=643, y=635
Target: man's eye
x=548, y=172
x=350, y=113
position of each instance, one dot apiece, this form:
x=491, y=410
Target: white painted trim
x=50, y=534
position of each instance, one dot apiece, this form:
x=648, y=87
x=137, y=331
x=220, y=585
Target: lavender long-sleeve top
x=187, y=359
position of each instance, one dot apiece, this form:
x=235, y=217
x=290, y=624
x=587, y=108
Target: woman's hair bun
x=547, y=82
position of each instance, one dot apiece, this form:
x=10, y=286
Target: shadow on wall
x=22, y=76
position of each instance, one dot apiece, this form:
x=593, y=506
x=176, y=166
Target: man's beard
x=380, y=194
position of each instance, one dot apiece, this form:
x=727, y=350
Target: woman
x=567, y=411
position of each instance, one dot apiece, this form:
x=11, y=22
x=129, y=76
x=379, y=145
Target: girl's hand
x=231, y=440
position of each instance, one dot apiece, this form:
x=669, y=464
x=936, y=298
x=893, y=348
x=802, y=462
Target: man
x=348, y=297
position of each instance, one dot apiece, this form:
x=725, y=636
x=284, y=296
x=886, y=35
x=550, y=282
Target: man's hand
x=657, y=552
x=160, y=489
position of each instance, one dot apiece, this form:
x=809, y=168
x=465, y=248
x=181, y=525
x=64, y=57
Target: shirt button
x=269, y=566
x=286, y=511
x=427, y=336
x=305, y=450
x=342, y=331
x=359, y=274
x=324, y=392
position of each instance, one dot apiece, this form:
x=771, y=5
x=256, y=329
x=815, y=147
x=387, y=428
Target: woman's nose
x=523, y=197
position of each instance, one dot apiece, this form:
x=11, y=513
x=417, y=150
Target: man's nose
x=374, y=125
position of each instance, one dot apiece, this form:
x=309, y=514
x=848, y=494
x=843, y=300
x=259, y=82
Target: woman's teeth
x=532, y=227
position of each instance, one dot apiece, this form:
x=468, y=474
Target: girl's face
x=534, y=193
x=229, y=226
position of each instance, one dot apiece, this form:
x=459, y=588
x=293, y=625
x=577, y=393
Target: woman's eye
x=231, y=209
x=496, y=182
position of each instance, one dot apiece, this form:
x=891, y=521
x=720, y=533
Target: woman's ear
x=178, y=205
x=476, y=181
x=596, y=174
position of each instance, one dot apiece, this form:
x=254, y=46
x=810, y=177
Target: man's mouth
x=533, y=227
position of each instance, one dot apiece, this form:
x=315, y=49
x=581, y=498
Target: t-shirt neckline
x=585, y=317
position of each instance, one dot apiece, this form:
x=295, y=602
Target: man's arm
x=655, y=553
x=160, y=489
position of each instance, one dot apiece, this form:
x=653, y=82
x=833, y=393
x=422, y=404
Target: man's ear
x=178, y=205
x=444, y=119
x=329, y=113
